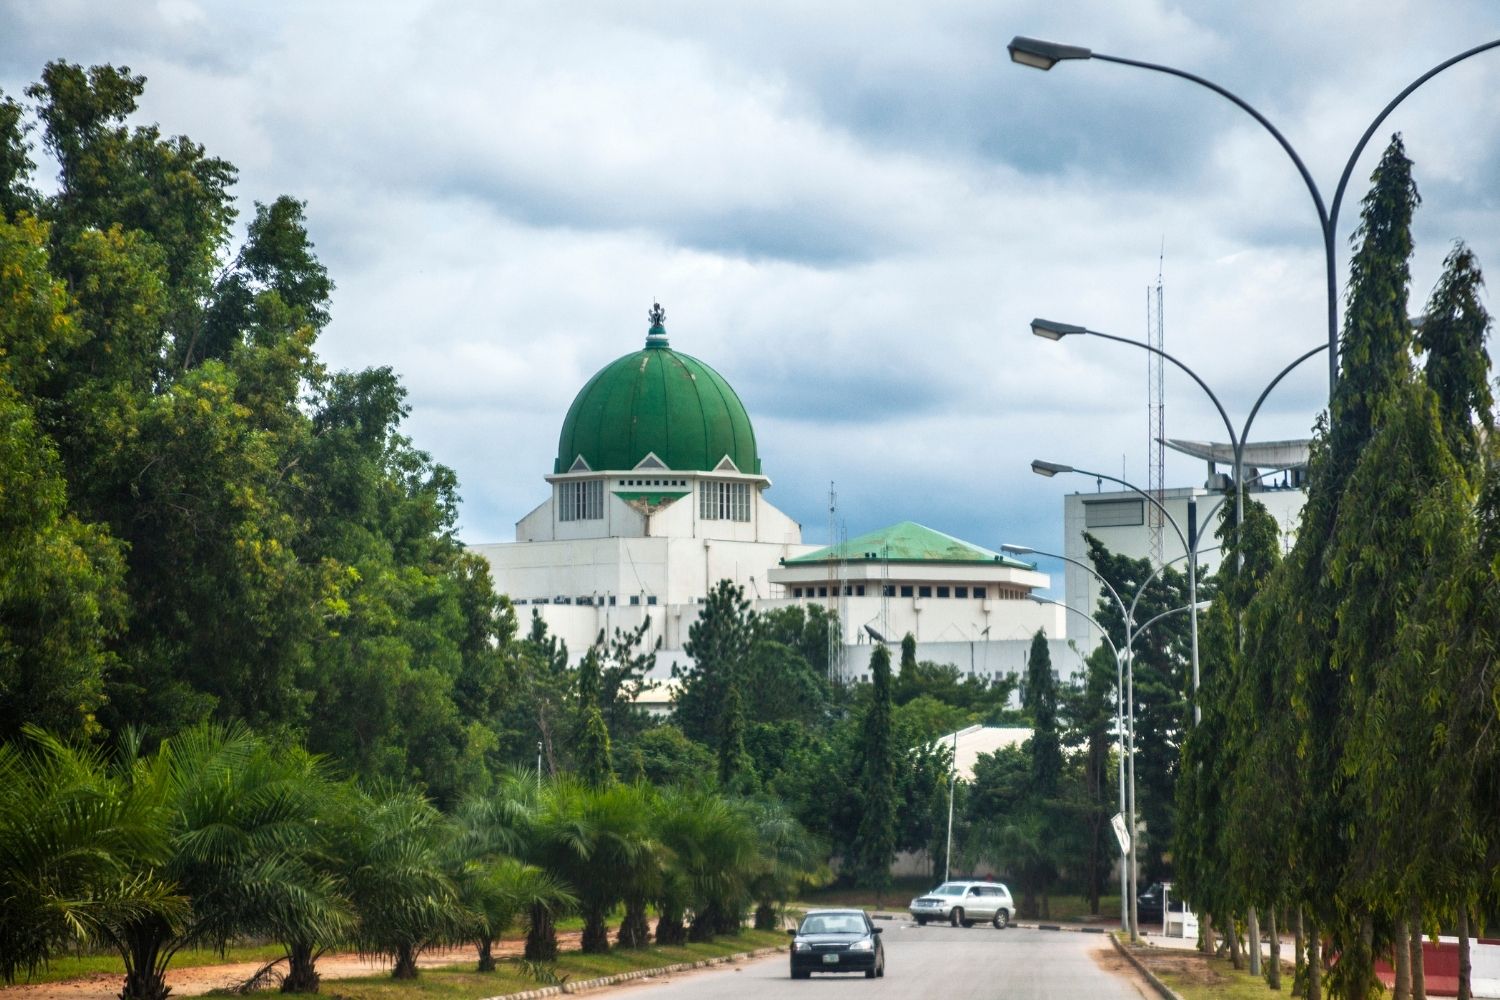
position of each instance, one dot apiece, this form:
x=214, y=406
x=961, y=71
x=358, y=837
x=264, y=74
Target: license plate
x=830, y=960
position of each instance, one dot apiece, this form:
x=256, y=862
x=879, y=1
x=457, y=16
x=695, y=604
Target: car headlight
x=867, y=944
x=801, y=945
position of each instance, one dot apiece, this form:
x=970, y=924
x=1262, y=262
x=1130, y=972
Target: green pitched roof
x=908, y=542
x=657, y=402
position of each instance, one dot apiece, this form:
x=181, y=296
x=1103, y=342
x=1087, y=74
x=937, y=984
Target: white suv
x=965, y=904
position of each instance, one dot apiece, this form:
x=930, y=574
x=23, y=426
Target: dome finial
x=657, y=335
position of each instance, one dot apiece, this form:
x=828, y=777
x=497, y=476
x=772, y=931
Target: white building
x=1275, y=475
x=657, y=493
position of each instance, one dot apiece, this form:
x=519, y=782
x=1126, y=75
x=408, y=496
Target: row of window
x=586, y=600
x=583, y=499
x=891, y=590
x=719, y=501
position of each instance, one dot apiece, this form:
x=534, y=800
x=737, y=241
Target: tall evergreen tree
x=1040, y=700
x=1458, y=367
x=595, y=767
x=874, y=846
x=719, y=641
x=1374, y=352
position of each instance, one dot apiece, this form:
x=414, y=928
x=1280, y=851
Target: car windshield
x=834, y=923
x=949, y=889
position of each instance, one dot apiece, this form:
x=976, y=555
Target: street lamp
x=1189, y=547
x=1052, y=330
x=1125, y=856
x=1040, y=54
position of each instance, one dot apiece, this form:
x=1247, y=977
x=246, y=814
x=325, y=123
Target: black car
x=1148, y=903
x=837, y=941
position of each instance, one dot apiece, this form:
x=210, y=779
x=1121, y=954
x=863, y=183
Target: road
x=936, y=961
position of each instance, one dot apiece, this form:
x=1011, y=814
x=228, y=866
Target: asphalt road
x=936, y=961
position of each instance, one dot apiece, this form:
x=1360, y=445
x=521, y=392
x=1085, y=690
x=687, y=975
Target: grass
x=1197, y=977
x=461, y=982
x=108, y=963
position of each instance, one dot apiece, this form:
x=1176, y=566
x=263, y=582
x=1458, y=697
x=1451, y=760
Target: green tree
x=595, y=767
x=719, y=643
x=874, y=846
x=1040, y=699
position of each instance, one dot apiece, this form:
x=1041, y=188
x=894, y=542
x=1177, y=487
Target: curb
x=1085, y=929
x=584, y=985
x=1166, y=991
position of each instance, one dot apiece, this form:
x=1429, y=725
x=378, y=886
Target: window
x=611, y=600
x=651, y=599
x=979, y=592
x=887, y=591
x=859, y=591
x=635, y=598
x=796, y=591
x=581, y=500
x=720, y=501
x=924, y=591
x=1113, y=513
x=822, y=591
x=960, y=591
x=943, y=591
x=906, y=590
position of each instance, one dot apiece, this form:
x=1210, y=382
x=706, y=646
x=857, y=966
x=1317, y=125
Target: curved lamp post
x=1125, y=685
x=1039, y=54
x=1050, y=330
x=1189, y=548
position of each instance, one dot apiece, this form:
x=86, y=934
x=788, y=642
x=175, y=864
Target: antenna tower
x=1156, y=431
x=836, y=586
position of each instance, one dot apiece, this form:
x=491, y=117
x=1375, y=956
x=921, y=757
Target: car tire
x=801, y=974
x=956, y=916
x=921, y=921
x=869, y=973
x=1002, y=919
x=880, y=969
x=967, y=923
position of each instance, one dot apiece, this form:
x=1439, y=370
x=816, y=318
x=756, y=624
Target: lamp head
x=1048, y=469
x=1018, y=550
x=1049, y=329
x=1039, y=54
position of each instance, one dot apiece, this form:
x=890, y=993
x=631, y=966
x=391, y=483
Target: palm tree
x=709, y=847
x=391, y=846
x=787, y=855
x=77, y=853
x=235, y=816
x=493, y=886
x=594, y=839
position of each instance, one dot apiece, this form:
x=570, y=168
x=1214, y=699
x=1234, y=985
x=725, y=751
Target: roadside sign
x=1121, y=834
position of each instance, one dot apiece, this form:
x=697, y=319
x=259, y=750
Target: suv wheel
x=956, y=917
x=1002, y=919
x=921, y=921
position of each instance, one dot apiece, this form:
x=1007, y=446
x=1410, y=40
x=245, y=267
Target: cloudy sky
x=850, y=209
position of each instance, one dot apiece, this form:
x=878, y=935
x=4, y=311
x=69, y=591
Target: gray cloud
x=851, y=210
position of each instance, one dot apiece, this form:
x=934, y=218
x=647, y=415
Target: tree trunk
x=670, y=929
x=1465, y=966
x=635, y=929
x=702, y=927
x=1299, y=959
x=595, y=932
x=1418, y=968
x=1273, y=932
x=765, y=917
x=145, y=972
x=406, y=963
x=1253, y=922
x=1314, y=965
x=1232, y=938
x=302, y=972
x=486, y=955
x=1401, y=946
x=1357, y=961
x=541, y=935
x=1206, y=942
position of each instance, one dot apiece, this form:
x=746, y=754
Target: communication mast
x=1156, y=420
x=837, y=574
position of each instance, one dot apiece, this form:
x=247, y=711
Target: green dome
x=657, y=401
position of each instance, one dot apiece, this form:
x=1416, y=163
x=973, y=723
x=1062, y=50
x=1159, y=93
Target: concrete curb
x=1071, y=929
x=1166, y=991
x=584, y=985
